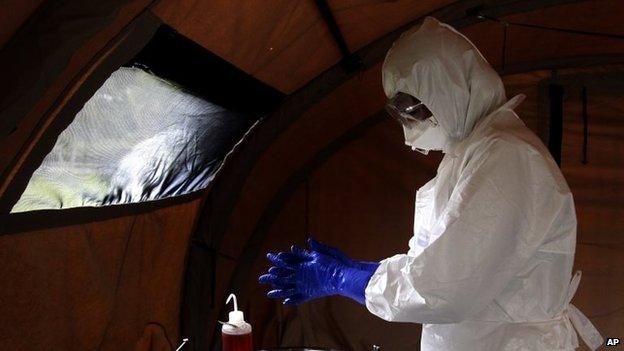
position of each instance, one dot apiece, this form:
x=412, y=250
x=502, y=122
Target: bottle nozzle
x=232, y=296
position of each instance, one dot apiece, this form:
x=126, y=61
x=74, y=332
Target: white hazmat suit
x=490, y=264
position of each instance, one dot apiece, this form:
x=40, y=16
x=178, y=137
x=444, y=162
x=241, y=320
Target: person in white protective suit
x=490, y=264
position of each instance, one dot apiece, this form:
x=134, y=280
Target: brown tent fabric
x=238, y=32
x=12, y=20
x=362, y=22
x=338, y=170
x=296, y=46
x=97, y=285
x=154, y=338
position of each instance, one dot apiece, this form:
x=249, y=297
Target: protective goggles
x=404, y=108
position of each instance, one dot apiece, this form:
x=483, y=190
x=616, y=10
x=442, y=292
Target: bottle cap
x=236, y=317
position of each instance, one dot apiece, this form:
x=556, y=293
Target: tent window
x=158, y=128
x=139, y=138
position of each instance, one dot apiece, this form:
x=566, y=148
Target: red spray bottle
x=236, y=333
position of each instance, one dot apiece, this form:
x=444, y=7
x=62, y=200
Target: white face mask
x=424, y=136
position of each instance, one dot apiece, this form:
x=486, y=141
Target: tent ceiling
x=532, y=45
x=287, y=38
x=288, y=44
x=363, y=21
x=12, y=19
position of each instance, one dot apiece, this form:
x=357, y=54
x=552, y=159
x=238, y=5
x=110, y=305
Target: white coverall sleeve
x=490, y=228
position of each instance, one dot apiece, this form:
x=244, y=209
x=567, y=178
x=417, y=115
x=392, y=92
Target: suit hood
x=443, y=69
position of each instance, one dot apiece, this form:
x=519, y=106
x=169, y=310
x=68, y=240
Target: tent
x=309, y=150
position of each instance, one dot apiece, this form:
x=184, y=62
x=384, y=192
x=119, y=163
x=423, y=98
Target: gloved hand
x=302, y=275
x=340, y=256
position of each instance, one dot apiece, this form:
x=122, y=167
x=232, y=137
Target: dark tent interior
x=153, y=151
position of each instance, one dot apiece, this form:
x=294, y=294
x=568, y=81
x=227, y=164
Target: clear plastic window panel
x=139, y=138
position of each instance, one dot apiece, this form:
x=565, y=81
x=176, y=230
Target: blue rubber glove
x=339, y=255
x=302, y=275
